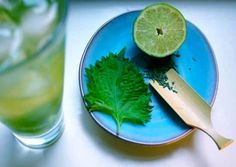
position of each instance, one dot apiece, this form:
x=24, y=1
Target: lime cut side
x=159, y=30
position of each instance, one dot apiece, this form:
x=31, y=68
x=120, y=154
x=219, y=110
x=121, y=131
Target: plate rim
x=164, y=142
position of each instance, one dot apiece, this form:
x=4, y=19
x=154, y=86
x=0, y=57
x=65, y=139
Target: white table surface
x=85, y=144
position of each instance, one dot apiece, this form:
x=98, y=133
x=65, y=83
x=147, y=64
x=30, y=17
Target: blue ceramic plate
x=196, y=64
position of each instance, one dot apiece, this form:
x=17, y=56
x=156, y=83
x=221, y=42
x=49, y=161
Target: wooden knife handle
x=219, y=140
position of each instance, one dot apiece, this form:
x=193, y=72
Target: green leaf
x=18, y=10
x=117, y=88
x=16, y=13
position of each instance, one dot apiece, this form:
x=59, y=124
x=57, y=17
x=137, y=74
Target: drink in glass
x=32, y=41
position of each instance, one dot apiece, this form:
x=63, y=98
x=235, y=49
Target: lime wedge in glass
x=159, y=30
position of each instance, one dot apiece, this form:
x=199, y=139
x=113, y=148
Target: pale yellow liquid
x=31, y=94
x=31, y=90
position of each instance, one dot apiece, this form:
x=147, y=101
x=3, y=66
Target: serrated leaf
x=117, y=88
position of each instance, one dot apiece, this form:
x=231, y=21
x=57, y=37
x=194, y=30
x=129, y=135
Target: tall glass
x=32, y=42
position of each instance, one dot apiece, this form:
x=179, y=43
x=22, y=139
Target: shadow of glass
x=18, y=155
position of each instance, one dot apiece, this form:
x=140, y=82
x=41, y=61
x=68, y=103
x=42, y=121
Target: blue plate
x=196, y=64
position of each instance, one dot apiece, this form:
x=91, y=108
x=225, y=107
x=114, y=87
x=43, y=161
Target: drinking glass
x=32, y=43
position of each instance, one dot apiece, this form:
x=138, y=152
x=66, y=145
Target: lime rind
x=165, y=44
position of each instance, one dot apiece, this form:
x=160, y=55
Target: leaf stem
x=118, y=124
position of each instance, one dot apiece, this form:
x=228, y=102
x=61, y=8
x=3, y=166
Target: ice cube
x=34, y=83
x=25, y=82
x=38, y=21
x=10, y=45
x=9, y=4
x=5, y=41
x=37, y=26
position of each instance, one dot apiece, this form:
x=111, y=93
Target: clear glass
x=32, y=39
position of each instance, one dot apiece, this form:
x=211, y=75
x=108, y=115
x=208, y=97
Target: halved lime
x=159, y=30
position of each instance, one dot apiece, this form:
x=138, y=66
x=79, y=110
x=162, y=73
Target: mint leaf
x=117, y=88
x=15, y=14
x=16, y=9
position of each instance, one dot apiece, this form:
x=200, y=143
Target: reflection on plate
x=196, y=64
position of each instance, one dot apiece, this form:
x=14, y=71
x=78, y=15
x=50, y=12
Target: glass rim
x=46, y=44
